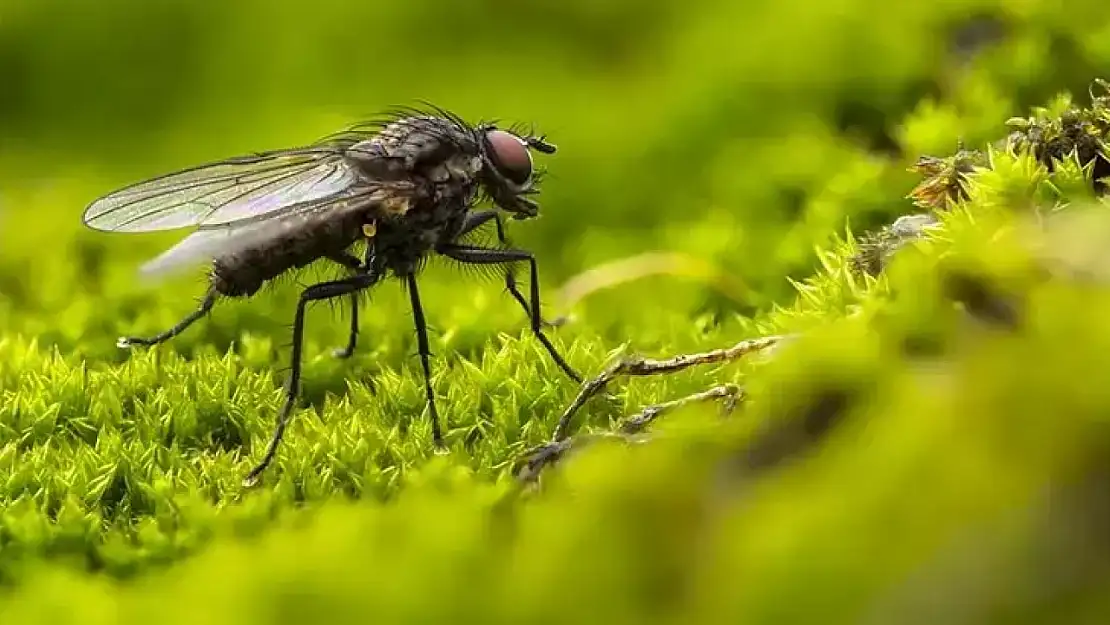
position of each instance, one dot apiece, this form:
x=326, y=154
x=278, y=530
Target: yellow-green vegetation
x=933, y=446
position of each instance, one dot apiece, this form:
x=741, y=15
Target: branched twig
x=630, y=430
x=535, y=460
x=638, y=366
x=730, y=394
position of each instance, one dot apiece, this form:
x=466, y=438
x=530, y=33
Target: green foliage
x=933, y=448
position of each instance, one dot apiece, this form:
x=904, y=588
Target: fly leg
x=352, y=335
x=355, y=266
x=203, y=309
x=476, y=220
x=425, y=353
x=484, y=256
x=316, y=292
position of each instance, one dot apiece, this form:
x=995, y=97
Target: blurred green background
x=742, y=132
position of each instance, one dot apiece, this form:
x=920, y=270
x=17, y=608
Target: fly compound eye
x=510, y=156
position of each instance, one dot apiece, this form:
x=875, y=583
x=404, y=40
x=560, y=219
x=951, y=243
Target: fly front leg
x=316, y=292
x=476, y=220
x=202, y=310
x=475, y=255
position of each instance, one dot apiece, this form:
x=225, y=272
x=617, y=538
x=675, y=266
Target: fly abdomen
x=295, y=242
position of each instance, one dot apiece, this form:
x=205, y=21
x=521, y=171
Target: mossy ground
x=933, y=448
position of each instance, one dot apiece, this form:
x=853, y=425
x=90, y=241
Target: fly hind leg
x=314, y=293
x=348, y=350
x=202, y=310
x=354, y=266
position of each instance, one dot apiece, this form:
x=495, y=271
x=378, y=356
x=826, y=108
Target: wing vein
x=224, y=192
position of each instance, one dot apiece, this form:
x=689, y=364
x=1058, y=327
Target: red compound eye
x=510, y=155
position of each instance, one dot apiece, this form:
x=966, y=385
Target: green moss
x=932, y=448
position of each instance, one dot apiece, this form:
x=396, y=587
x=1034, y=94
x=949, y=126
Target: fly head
x=508, y=173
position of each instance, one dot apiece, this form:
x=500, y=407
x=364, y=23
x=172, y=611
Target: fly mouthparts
x=528, y=208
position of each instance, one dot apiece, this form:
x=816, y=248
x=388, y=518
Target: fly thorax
x=366, y=148
x=394, y=134
x=439, y=174
x=368, y=157
x=457, y=169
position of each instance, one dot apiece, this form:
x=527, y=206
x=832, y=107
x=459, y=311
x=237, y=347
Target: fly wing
x=205, y=245
x=383, y=200
x=226, y=192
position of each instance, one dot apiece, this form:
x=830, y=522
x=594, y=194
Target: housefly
x=406, y=186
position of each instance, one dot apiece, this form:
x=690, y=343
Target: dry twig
x=536, y=459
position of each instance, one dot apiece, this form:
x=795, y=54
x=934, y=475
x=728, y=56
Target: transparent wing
x=201, y=246
x=225, y=192
x=205, y=245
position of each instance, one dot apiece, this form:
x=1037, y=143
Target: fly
x=407, y=186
